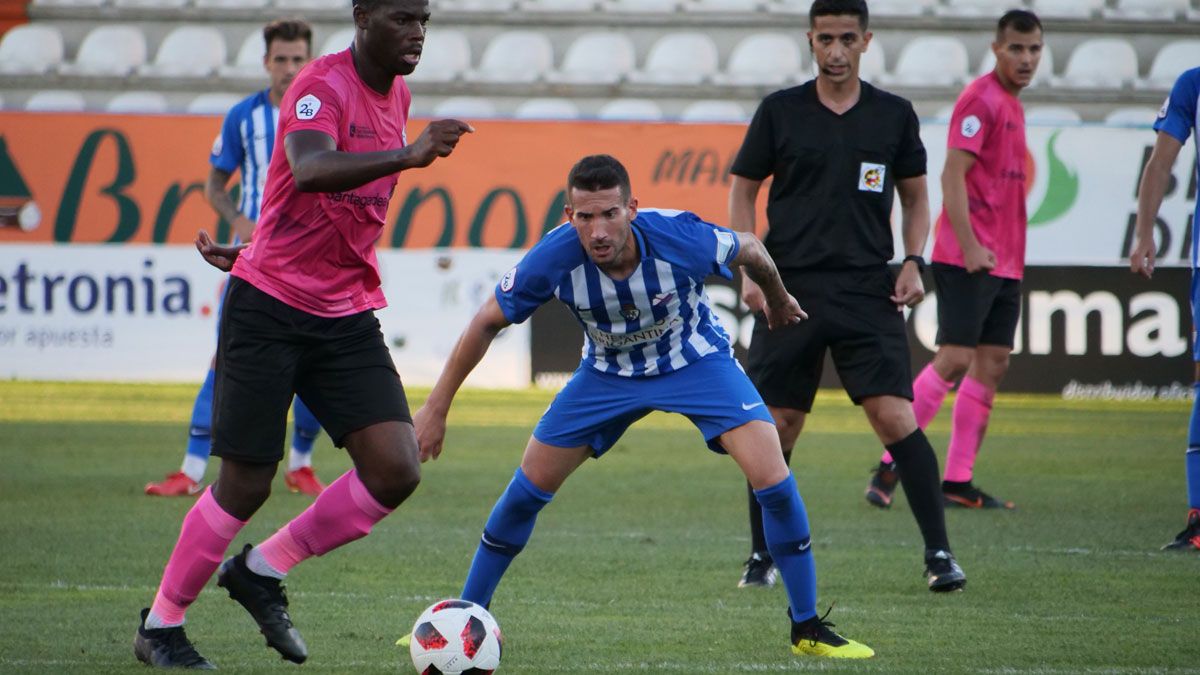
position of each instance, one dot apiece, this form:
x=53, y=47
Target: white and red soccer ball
x=453, y=637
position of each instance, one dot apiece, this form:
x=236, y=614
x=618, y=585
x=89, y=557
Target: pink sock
x=971, y=411
x=929, y=390
x=345, y=511
x=205, y=535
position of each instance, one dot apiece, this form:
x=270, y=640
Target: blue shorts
x=596, y=408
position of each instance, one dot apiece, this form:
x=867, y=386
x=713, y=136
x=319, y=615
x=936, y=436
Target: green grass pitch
x=633, y=568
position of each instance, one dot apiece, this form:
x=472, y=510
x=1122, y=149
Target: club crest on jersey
x=970, y=126
x=630, y=312
x=307, y=107
x=507, y=281
x=870, y=177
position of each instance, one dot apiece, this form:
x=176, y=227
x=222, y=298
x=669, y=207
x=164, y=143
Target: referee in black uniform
x=838, y=148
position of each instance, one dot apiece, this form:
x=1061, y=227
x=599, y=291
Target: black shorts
x=849, y=314
x=975, y=309
x=268, y=350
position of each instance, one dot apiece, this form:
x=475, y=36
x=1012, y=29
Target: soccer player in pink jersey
x=978, y=260
x=299, y=319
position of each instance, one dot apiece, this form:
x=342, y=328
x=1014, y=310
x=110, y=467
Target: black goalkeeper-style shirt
x=830, y=201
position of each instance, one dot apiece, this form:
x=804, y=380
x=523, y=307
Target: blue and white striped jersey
x=1179, y=117
x=656, y=321
x=245, y=144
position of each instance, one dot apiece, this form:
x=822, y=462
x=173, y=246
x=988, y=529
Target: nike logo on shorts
x=751, y=406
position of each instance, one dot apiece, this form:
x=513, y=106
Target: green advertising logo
x=1062, y=188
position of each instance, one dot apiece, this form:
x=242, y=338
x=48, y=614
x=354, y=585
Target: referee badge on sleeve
x=870, y=177
x=507, y=281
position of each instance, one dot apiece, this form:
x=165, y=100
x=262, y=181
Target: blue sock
x=786, y=526
x=306, y=428
x=1193, y=452
x=200, y=430
x=506, y=533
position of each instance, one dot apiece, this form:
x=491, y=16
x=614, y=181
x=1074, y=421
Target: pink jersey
x=316, y=251
x=989, y=122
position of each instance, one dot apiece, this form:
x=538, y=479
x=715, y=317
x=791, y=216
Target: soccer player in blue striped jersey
x=634, y=279
x=244, y=145
x=1177, y=120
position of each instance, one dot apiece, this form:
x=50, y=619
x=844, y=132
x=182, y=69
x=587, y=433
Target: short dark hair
x=287, y=30
x=1020, y=20
x=839, y=7
x=599, y=172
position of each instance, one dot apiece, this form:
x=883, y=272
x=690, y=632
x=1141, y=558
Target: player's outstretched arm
x=318, y=166
x=781, y=308
x=220, y=257
x=218, y=197
x=1155, y=178
x=976, y=256
x=430, y=420
x=914, y=199
x=743, y=193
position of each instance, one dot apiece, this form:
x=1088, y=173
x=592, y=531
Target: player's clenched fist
x=438, y=140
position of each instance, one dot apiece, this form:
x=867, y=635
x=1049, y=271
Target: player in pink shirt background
x=299, y=318
x=978, y=260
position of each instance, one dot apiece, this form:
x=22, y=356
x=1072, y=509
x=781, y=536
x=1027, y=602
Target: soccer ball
x=455, y=636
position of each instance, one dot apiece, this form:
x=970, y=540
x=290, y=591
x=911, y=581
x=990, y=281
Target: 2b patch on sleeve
x=871, y=177
x=307, y=107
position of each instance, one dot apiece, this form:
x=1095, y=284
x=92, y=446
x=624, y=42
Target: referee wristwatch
x=918, y=260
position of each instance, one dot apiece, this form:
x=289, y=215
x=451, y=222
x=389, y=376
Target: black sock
x=918, y=469
x=758, y=540
x=955, y=487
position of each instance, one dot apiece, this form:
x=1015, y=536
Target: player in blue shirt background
x=634, y=279
x=1176, y=121
x=244, y=145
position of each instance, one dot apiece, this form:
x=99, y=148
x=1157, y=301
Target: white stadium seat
x=213, y=103
x=678, y=58
x=249, y=60
x=137, y=102
x=894, y=7
x=1170, y=62
x=516, y=56
x=1155, y=10
x=1071, y=9
x=68, y=3
x=1106, y=63
x=339, y=41
x=601, y=57
x=630, y=109
x=55, y=101
x=111, y=49
x=976, y=8
x=466, y=108
x=31, y=49
x=1131, y=116
x=723, y=5
x=931, y=61
x=872, y=67
x=944, y=114
x=189, y=51
x=294, y=5
x=230, y=4
x=645, y=6
x=558, y=5
x=1045, y=71
x=763, y=59
x=149, y=4
x=1052, y=114
x=547, y=109
x=475, y=5
x=714, y=111
x=445, y=57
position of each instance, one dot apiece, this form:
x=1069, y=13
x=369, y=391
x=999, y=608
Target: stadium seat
x=339, y=41
x=466, y=108
x=547, y=109
x=1068, y=9
x=1052, y=114
x=111, y=49
x=1153, y=10
x=297, y=5
x=1045, y=71
x=249, y=61
x=1131, y=116
x=724, y=5
x=678, y=58
x=943, y=115
x=596, y=58
x=68, y=3
x=230, y=4
x=642, y=6
x=762, y=59
x=189, y=51
x=1170, y=62
x=475, y=5
x=213, y=103
x=53, y=100
x=714, y=111
x=445, y=57
x=1104, y=63
x=137, y=102
x=515, y=56
x=974, y=8
x=931, y=61
x=558, y=5
x=872, y=67
x=892, y=7
x=630, y=109
x=149, y=4
x=31, y=49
